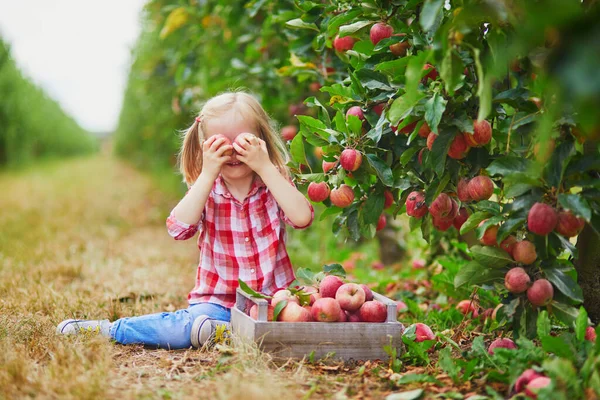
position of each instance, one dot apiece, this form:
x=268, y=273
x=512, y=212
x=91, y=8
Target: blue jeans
x=167, y=330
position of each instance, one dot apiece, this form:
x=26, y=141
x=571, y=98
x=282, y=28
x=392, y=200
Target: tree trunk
x=390, y=250
x=588, y=271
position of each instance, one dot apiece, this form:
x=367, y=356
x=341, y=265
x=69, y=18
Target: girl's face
x=231, y=125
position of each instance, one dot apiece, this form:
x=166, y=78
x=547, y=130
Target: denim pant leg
x=167, y=330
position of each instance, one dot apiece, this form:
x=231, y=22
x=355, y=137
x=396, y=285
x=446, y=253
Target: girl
x=239, y=197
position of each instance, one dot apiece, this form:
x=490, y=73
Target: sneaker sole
x=195, y=337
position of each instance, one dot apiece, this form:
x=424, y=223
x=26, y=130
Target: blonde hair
x=190, y=155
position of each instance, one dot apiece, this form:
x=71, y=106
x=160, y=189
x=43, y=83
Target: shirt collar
x=219, y=187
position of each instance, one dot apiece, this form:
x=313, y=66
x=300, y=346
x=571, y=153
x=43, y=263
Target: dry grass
x=86, y=238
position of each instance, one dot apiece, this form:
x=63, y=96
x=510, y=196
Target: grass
x=86, y=238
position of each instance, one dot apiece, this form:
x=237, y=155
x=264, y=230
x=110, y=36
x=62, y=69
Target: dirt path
x=86, y=238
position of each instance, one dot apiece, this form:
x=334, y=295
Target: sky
x=77, y=51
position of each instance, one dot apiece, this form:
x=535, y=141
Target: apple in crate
x=326, y=309
x=284, y=294
x=350, y=296
x=254, y=312
x=373, y=311
x=294, y=312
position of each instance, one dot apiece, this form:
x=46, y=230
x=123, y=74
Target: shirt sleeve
x=289, y=221
x=180, y=230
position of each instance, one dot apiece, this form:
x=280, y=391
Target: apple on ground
x=504, y=343
x=467, y=307
x=423, y=332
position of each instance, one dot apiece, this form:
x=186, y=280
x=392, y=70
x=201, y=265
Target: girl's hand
x=216, y=151
x=252, y=151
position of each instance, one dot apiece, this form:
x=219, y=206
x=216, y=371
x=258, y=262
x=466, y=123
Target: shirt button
x=252, y=270
x=247, y=239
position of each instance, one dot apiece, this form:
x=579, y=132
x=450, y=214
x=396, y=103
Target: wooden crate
x=348, y=340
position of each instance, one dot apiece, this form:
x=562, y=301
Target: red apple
x=443, y=207
x=508, y=244
x=288, y=132
x=373, y=311
x=517, y=280
x=350, y=296
x=415, y=205
x=467, y=307
x=401, y=307
x=533, y=387
x=482, y=134
x=461, y=218
x=342, y=196
x=489, y=238
x=329, y=286
x=458, y=148
x=462, y=190
x=326, y=309
x=430, y=139
x=569, y=225
x=381, y=223
x=254, y=312
x=356, y=111
x=424, y=130
x=524, y=252
x=423, y=332
x=227, y=142
x=380, y=31
x=294, y=312
x=378, y=108
x=352, y=317
x=540, y=293
x=590, y=334
x=542, y=219
x=389, y=199
x=431, y=74
x=350, y=159
x=283, y=294
x=527, y=376
x=318, y=192
x=328, y=165
x=503, y=343
x=342, y=44
x=368, y=292
x=480, y=188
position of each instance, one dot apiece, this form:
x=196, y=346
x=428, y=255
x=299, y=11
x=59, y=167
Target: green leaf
x=339, y=20
x=543, y=324
x=577, y=204
x=408, y=155
x=430, y=12
x=311, y=122
x=447, y=364
x=558, y=346
x=451, y=70
x=299, y=24
x=509, y=226
x=251, y=291
x=305, y=275
x=581, y=324
x=474, y=273
x=439, y=150
x=435, y=188
x=353, y=28
x=434, y=108
x=373, y=208
x=402, y=106
x=297, y=150
x=334, y=269
x=508, y=165
x=564, y=283
x=381, y=168
x=484, y=90
x=492, y=257
x=560, y=159
x=473, y=221
x=278, y=308
x=565, y=313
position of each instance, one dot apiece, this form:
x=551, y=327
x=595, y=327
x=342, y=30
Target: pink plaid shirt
x=238, y=240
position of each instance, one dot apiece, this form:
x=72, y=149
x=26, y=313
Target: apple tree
x=471, y=117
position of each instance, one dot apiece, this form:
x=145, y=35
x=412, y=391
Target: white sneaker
x=209, y=330
x=77, y=326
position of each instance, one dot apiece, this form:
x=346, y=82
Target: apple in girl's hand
x=226, y=143
x=239, y=139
